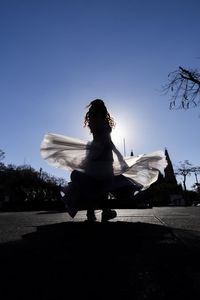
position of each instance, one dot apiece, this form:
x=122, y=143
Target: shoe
x=108, y=215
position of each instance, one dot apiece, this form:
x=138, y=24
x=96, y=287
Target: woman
x=99, y=159
x=97, y=166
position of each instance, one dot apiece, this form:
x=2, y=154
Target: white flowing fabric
x=75, y=154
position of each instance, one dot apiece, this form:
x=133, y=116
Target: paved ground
x=142, y=254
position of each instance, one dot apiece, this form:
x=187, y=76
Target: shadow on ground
x=115, y=260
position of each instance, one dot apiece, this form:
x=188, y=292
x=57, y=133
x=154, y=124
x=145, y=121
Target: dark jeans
x=92, y=190
x=95, y=194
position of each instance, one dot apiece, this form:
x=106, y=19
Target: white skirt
x=102, y=162
x=74, y=154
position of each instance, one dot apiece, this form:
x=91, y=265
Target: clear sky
x=58, y=55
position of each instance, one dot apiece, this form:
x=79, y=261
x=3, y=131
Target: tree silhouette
x=26, y=188
x=184, y=169
x=184, y=87
x=196, y=171
x=2, y=155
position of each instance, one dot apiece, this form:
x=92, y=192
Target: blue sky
x=58, y=55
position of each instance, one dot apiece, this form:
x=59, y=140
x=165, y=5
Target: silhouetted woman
x=99, y=159
x=97, y=167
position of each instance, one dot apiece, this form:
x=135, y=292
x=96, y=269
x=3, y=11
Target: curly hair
x=98, y=108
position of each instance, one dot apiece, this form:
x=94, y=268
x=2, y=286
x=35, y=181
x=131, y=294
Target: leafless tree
x=184, y=88
x=184, y=169
x=2, y=155
x=196, y=171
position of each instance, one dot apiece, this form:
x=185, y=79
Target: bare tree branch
x=184, y=88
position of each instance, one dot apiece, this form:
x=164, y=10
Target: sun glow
x=119, y=137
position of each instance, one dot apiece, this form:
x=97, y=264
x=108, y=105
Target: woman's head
x=97, y=108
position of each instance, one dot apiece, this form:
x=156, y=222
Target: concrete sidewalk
x=142, y=254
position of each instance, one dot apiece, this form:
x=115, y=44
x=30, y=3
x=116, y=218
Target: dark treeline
x=24, y=188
